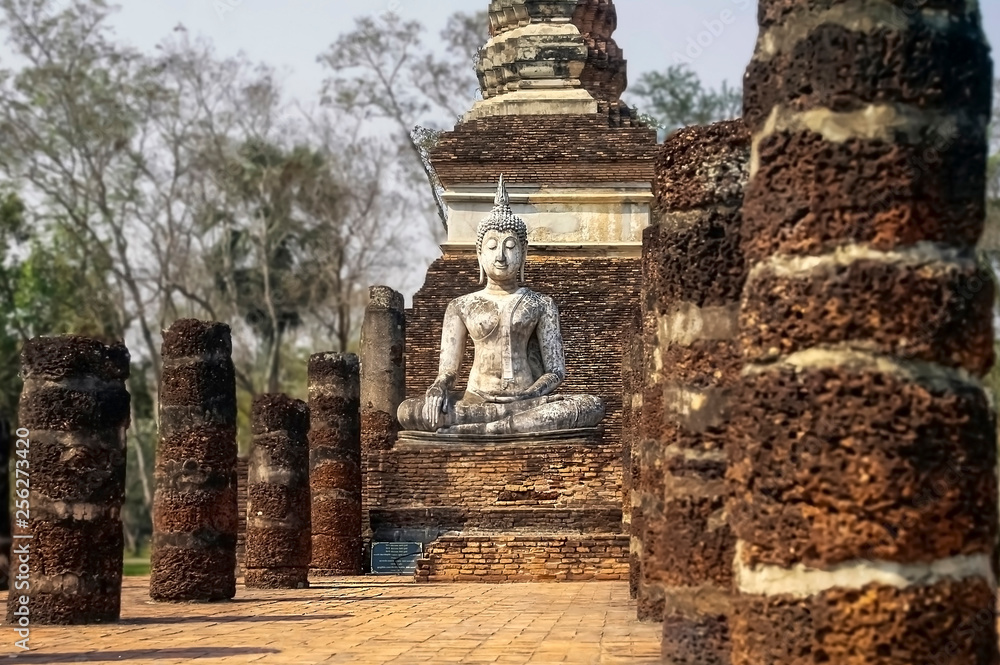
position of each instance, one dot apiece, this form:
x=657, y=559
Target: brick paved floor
x=361, y=620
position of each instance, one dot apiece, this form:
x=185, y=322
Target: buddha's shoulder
x=539, y=299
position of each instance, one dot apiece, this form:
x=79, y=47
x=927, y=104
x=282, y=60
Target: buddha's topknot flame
x=502, y=219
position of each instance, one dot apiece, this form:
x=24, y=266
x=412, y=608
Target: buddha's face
x=501, y=256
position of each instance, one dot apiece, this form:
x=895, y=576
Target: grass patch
x=133, y=567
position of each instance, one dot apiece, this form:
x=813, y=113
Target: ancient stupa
x=578, y=169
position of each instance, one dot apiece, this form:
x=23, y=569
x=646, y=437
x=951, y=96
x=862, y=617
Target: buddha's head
x=501, y=241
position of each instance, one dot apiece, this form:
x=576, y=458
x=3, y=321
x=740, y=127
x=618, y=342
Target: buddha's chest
x=512, y=317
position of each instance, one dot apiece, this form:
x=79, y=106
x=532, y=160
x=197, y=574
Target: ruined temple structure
x=278, y=537
x=195, y=505
x=863, y=452
x=335, y=463
x=693, y=275
x=578, y=170
x=76, y=409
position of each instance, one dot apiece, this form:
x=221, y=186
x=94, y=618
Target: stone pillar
x=698, y=269
x=863, y=455
x=74, y=412
x=5, y=540
x=383, y=381
x=278, y=539
x=647, y=502
x=335, y=463
x=195, y=506
x=383, y=373
x=632, y=381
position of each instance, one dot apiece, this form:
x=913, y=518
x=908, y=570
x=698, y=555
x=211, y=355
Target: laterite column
x=632, y=382
x=335, y=463
x=647, y=496
x=278, y=540
x=863, y=459
x=195, y=506
x=75, y=409
x=383, y=379
x=695, y=260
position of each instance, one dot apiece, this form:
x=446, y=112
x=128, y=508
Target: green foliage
x=676, y=98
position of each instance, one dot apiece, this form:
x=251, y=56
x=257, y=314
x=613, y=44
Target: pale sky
x=289, y=34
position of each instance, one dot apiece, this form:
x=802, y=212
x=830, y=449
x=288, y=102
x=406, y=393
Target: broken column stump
x=383, y=380
x=278, y=539
x=699, y=271
x=863, y=458
x=195, y=505
x=383, y=372
x=632, y=383
x=73, y=415
x=335, y=463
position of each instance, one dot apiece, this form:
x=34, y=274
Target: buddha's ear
x=482, y=273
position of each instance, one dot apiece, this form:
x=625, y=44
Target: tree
x=383, y=71
x=676, y=98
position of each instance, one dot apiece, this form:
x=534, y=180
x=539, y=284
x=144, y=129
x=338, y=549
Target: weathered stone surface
x=335, y=463
x=703, y=640
x=74, y=413
x=863, y=448
x=843, y=70
x=898, y=471
x=921, y=310
x=278, y=539
x=633, y=380
x=947, y=622
x=812, y=195
x=195, y=510
x=551, y=58
x=693, y=274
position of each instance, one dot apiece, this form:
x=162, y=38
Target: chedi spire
x=550, y=57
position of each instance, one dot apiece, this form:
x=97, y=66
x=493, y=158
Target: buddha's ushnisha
x=519, y=359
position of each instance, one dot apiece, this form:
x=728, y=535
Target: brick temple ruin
x=578, y=169
x=784, y=315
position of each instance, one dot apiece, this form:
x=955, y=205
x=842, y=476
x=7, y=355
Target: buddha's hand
x=436, y=404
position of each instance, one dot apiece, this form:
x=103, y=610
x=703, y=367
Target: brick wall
x=568, y=485
x=525, y=559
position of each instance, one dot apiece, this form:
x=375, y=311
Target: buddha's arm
x=550, y=341
x=452, y=348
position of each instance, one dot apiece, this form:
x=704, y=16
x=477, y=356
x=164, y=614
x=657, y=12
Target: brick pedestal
x=863, y=456
x=74, y=411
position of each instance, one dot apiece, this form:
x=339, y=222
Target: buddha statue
x=518, y=362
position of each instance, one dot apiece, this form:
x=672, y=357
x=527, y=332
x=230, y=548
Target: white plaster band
x=850, y=358
x=689, y=323
x=891, y=122
x=935, y=257
x=802, y=582
x=854, y=15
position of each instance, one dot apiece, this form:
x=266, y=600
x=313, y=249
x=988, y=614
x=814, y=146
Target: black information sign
x=395, y=558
